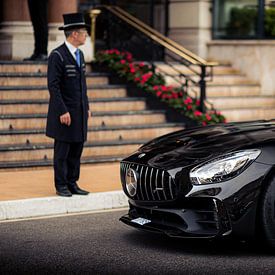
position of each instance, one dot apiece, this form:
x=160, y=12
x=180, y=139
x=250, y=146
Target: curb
x=29, y=208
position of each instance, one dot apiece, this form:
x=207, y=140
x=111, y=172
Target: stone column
x=190, y=24
x=15, y=30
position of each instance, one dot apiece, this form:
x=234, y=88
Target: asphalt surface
x=98, y=243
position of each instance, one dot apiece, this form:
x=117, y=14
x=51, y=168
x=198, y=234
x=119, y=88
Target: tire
x=267, y=214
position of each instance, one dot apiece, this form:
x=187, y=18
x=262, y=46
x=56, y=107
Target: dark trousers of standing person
x=39, y=16
x=66, y=163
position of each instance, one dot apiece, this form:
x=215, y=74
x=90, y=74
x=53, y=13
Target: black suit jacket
x=68, y=93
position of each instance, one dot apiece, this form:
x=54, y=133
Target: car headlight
x=224, y=167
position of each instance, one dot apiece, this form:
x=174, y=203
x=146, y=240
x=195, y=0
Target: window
x=244, y=19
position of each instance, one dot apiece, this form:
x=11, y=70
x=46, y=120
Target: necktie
x=77, y=55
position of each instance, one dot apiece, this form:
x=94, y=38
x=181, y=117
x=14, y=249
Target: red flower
x=164, y=88
x=145, y=77
x=122, y=61
x=155, y=88
x=174, y=95
x=129, y=56
x=208, y=117
x=188, y=100
x=197, y=113
x=159, y=93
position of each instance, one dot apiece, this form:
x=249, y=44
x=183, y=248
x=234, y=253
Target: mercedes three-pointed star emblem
x=131, y=182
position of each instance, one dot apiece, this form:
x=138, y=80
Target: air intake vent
x=152, y=184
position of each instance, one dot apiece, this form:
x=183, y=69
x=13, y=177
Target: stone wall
x=190, y=24
x=255, y=58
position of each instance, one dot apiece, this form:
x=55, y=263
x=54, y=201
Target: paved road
x=100, y=244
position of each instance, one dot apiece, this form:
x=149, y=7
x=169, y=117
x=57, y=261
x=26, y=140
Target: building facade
x=241, y=32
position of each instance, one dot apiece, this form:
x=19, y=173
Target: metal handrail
x=198, y=59
x=153, y=36
x=189, y=57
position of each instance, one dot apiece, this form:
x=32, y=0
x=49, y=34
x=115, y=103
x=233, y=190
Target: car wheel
x=267, y=214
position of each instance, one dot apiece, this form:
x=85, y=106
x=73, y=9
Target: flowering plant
x=148, y=80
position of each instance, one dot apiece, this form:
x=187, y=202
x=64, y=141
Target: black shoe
x=31, y=58
x=37, y=57
x=63, y=191
x=74, y=188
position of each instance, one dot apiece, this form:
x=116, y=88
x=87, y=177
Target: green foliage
x=269, y=22
x=242, y=21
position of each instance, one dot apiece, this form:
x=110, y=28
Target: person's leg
x=73, y=161
x=39, y=16
x=73, y=164
x=61, y=152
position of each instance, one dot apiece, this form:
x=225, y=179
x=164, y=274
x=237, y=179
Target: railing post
x=152, y=13
x=167, y=15
x=202, y=84
x=261, y=17
x=93, y=13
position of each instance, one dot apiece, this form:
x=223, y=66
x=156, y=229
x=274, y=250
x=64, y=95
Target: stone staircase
x=232, y=93
x=119, y=124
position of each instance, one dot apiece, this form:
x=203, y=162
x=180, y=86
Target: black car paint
x=180, y=151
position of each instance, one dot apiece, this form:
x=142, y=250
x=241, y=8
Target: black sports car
x=205, y=182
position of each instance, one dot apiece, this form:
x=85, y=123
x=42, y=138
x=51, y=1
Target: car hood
x=192, y=146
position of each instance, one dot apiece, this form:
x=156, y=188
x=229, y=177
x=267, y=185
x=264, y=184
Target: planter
x=124, y=70
x=152, y=102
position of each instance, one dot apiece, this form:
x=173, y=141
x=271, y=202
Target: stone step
x=110, y=91
x=41, y=79
x=232, y=79
x=27, y=67
x=224, y=103
x=221, y=69
x=217, y=79
x=232, y=90
x=23, y=67
x=45, y=151
x=96, y=105
x=27, y=93
x=32, y=165
x=109, y=119
x=248, y=114
x=95, y=134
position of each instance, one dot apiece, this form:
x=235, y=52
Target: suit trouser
x=39, y=16
x=66, y=162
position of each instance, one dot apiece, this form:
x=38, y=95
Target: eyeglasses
x=85, y=32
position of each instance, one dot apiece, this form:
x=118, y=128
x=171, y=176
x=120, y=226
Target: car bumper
x=207, y=218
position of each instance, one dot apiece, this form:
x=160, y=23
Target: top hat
x=73, y=21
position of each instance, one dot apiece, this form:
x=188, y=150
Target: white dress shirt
x=71, y=48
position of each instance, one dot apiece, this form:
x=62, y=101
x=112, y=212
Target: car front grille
x=152, y=184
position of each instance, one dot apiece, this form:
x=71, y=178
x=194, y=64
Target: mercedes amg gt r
x=205, y=182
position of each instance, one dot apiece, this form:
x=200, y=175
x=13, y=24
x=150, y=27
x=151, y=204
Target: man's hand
x=66, y=119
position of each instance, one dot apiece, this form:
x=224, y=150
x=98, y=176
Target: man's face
x=80, y=36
